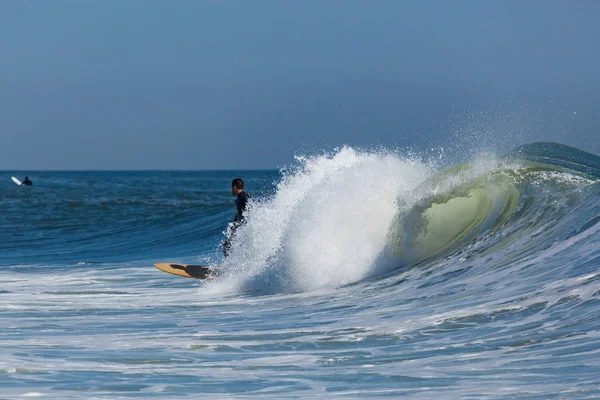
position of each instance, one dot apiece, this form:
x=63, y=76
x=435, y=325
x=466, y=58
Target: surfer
x=241, y=202
x=27, y=181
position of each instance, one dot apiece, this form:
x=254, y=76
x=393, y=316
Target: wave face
x=358, y=274
x=337, y=219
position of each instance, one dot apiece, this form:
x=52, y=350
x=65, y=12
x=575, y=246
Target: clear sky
x=207, y=84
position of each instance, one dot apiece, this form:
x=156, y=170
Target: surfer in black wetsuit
x=241, y=202
x=27, y=182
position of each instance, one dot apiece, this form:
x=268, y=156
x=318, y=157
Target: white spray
x=326, y=225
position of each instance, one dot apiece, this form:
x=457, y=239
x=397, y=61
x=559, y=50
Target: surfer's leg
x=226, y=247
x=228, y=238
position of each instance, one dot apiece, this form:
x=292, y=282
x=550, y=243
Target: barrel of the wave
x=448, y=217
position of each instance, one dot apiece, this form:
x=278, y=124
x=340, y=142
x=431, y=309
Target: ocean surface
x=359, y=274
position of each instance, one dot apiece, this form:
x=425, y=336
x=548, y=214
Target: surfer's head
x=237, y=186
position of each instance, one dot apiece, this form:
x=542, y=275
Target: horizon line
x=140, y=170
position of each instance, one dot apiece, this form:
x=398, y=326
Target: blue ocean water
x=359, y=274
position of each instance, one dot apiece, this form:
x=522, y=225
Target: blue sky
x=247, y=84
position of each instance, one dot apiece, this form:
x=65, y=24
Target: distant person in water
x=241, y=202
x=27, y=182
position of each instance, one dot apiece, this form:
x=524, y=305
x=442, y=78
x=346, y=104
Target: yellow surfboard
x=188, y=270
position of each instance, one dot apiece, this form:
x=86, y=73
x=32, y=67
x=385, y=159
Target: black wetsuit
x=240, y=206
x=27, y=182
x=241, y=202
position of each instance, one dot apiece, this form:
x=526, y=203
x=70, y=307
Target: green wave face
x=452, y=208
x=444, y=222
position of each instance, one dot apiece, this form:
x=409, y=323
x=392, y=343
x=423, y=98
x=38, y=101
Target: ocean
x=359, y=274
